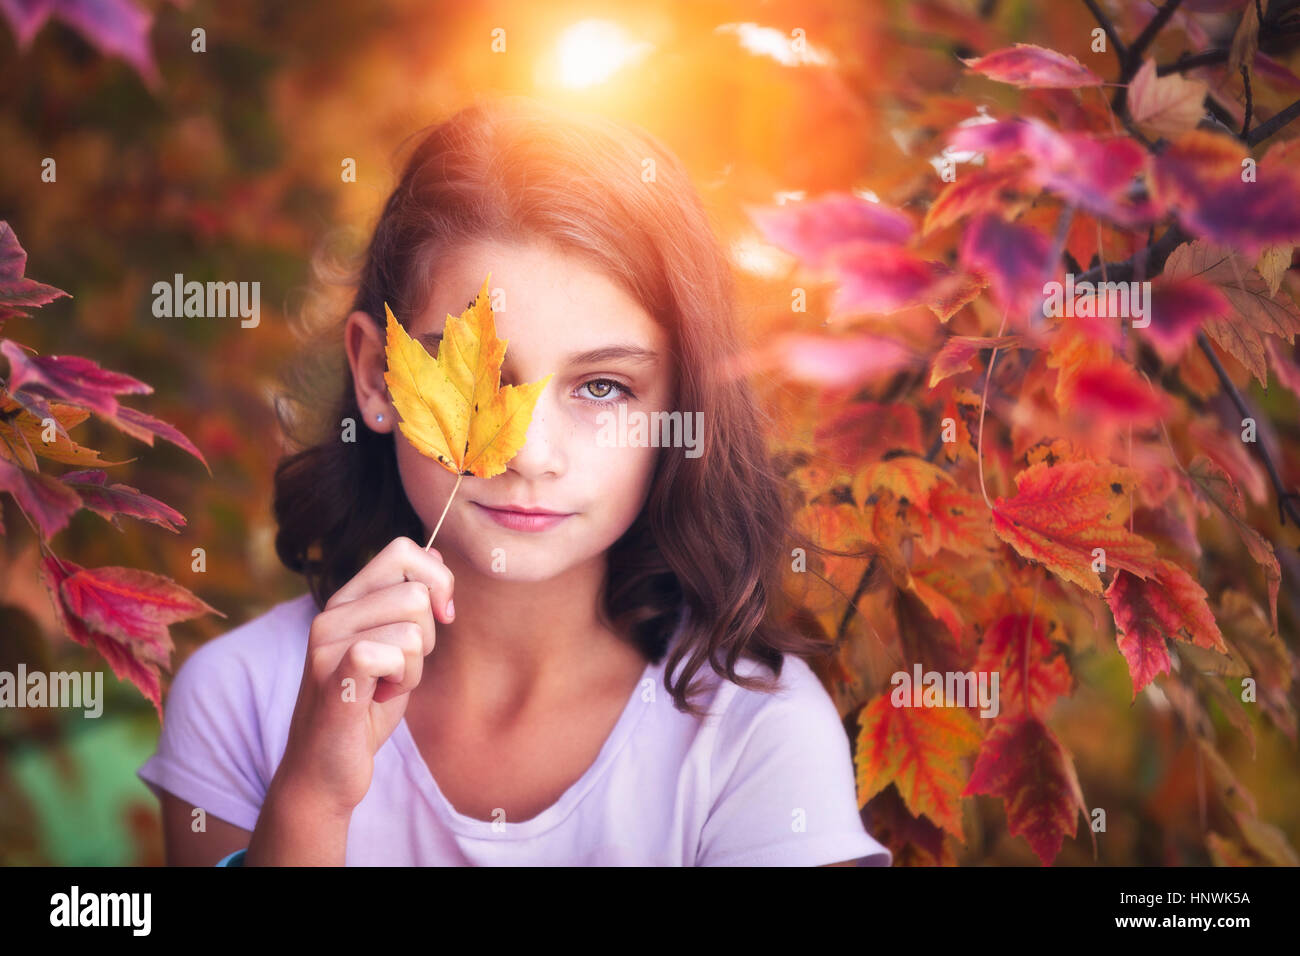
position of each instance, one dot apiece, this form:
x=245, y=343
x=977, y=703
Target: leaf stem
x=444, y=512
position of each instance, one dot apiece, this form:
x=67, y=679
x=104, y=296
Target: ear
x=364, y=344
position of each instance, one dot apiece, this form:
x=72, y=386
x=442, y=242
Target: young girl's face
x=556, y=312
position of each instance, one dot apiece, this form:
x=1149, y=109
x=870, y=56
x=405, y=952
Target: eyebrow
x=609, y=353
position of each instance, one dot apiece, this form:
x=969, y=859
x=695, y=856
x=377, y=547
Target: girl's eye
x=602, y=388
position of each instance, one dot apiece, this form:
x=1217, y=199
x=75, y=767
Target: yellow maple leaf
x=452, y=407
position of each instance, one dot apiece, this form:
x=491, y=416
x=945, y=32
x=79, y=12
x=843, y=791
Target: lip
x=537, y=519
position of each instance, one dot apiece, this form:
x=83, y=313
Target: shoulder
x=280, y=631
x=798, y=708
x=249, y=660
x=782, y=788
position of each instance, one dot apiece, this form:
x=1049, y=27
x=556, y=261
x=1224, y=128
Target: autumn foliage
x=1047, y=485
x=1099, y=508
x=123, y=613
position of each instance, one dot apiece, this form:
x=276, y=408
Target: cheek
x=618, y=478
x=425, y=481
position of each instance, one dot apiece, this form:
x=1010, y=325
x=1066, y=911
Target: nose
x=542, y=454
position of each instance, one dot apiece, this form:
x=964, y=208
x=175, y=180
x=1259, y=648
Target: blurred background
x=224, y=164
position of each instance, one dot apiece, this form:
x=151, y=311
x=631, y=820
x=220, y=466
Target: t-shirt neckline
x=556, y=812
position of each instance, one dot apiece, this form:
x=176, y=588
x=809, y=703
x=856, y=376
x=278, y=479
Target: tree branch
x=1148, y=35
x=1155, y=254
x=1264, y=130
x=1121, y=50
x=1245, y=125
x=1284, y=497
x=1190, y=61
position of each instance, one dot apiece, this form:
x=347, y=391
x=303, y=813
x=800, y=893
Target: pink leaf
x=69, y=378
x=46, y=500
x=110, y=501
x=16, y=292
x=1013, y=257
x=812, y=229
x=1178, y=309
x=1026, y=65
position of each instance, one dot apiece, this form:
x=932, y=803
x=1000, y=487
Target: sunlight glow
x=591, y=51
x=791, y=50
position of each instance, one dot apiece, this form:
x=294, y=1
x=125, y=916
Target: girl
x=607, y=686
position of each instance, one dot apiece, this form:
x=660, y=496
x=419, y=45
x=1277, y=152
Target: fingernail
x=451, y=609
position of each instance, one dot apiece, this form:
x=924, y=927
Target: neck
x=516, y=643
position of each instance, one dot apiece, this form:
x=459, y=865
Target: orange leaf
x=919, y=750
x=453, y=408
x=1060, y=514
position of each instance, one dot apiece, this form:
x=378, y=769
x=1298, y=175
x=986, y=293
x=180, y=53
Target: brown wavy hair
x=713, y=532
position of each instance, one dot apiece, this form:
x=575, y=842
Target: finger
x=402, y=559
x=409, y=639
x=365, y=663
x=404, y=601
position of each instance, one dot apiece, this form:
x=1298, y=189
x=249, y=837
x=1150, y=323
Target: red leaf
x=109, y=501
x=1199, y=177
x=881, y=279
x=1013, y=650
x=958, y=350
x=981, y=190
x=1093, y=174
x=70, y=378
x=16, y=292
x=136, y=657
x=46, y=500
x=864, y=431
x=1026, y=65
x=812, y=229
x=1169, y=604
x=144, y=427
x=1061, y=513
x=1116, y=395
x=1022, y=762
x=131, y=605
x=919, y=750
x=1013, y=257
x=1178, y=309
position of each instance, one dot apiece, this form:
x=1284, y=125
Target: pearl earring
x=379, y=418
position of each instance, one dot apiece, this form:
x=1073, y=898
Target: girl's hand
x=365, y=654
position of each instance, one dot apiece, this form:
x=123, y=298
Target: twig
x=1156, y=255
x=1148, y=35
x=1264, y=130
x=1133, y=59
x=1245, y=79
x=1190, y=61
x=1105, y=23
x=1284, y=497
x=444, y=512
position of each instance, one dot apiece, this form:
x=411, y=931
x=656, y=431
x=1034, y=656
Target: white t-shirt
x=765, y=779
